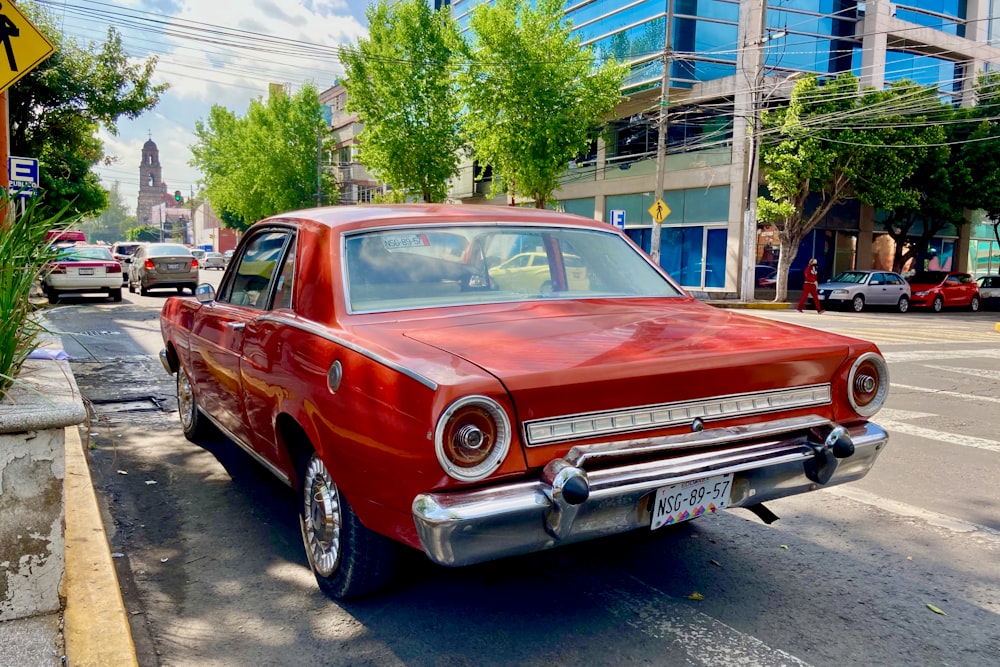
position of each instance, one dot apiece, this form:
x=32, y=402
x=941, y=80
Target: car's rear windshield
x=166, y=249
x=444, y=266
x=928, y=277
x=83, y=254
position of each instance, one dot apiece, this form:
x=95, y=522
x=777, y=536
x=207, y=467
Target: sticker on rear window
x=396, y=242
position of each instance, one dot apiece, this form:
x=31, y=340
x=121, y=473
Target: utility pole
x=754, y=50
x=191, y=205
x=662, y=127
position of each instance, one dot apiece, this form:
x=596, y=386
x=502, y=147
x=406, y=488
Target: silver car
x=989, y=291
x=857, y=289
x=156, y=265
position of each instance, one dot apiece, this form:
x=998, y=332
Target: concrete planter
x=33, y=417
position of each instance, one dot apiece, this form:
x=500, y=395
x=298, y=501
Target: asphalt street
x=211, y=563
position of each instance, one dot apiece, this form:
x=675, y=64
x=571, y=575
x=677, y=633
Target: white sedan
x=82, y=269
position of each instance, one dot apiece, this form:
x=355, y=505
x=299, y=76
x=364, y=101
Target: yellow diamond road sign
x=659, y=210
x=22, y=46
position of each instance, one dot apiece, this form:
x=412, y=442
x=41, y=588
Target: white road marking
x=936, y=355
x=885, y=420
x=943, y=392
x=974, y=372
x=913, y=512
x=699, y=638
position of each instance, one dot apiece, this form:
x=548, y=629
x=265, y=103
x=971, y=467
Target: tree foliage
x=533, y=100
x=400, y=84
x=146, y=233
x=836, y=141
x=113, y=222
x=265, y=162
x=56, y=109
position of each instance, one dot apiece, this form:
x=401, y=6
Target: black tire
x=938, y=304
x=974, y=304
x=194, y=423
x=131, y=286
x=858, y=303
x=116, y=295
x=904, y=304
x=347, y=559
x=143, y=290
x=52, y=294
x=180, y=289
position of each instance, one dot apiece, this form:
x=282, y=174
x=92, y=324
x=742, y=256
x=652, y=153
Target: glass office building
x=727, y=59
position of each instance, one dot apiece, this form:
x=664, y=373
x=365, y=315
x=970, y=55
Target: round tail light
x=472, y=438
x=868, y=384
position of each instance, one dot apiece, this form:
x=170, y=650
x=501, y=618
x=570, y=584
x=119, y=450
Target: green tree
x=112, y=223
x=533, y=99
x=836, y=141
x=146, y=233
x=56, y=109
x=400, y=84
x=265, y=162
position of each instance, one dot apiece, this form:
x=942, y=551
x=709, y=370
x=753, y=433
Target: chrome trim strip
x=594, y=424
x=277, y=472
x=318, y=331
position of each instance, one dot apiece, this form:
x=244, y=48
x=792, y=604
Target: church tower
x=152, y=189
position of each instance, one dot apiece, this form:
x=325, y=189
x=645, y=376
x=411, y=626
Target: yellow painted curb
x=95, y=630
x=997, y=326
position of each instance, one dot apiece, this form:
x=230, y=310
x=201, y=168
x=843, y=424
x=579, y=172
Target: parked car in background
x=938, y=290
x=989, y=291
x=122, y=251
x=213, y=260
x=198, y=253
x=161, y=265
x=858, y=289
x=367, y=357
x=63, y=238
x=228, y=255
x=83, y=269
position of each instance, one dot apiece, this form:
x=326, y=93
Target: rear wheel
x=194, y=423
x=938, y=304
x=116, y=295
x=858, y=303
x=143, y=290
x=131, y=286
x=52, y=294
x=974, y=304
x=347, y=559
x=903, y=305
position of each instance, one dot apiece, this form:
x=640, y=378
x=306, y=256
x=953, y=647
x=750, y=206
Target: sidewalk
x=95, y=630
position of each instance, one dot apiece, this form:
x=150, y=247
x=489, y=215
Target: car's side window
x=283, y=290
x=256, y=271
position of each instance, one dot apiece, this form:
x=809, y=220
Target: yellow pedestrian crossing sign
x=659, y=210
x=23, y=46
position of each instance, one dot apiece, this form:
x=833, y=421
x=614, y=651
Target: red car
x=943, y=289
x=370, y=358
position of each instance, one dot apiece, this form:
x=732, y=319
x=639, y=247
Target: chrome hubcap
x=185, y=399
x=321, y=517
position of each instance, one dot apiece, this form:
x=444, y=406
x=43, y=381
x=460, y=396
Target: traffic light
x=177, y=196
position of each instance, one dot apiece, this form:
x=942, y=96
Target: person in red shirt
x=809, y=287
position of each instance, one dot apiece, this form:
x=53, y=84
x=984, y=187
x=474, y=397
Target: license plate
x=688, y=500
x=173, y=267
x=86, y=272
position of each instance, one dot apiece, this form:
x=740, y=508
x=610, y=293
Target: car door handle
x=237, y=326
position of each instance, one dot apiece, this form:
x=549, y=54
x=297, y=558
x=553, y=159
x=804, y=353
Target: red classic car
x=943, y=289
x=379, y=361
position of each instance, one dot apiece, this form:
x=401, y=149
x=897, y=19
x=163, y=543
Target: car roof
x=342, y=218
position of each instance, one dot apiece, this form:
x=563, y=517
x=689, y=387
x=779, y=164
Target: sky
x=210, y=52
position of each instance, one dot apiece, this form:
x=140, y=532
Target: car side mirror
x=204, y=293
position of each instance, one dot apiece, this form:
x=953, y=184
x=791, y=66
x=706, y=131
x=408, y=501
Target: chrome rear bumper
x=598, y=490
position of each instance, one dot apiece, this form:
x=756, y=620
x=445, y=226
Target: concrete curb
x=95, y=627
x=752, y=305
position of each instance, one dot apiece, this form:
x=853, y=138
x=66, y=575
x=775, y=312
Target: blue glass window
x=715, y=258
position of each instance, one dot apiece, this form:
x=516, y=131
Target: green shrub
x=24, y=252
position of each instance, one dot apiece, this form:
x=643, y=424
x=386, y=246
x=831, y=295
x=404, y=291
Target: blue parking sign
x=618, y=218
x=23, y=176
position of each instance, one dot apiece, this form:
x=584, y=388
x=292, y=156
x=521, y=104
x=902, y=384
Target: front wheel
x=347, y=559
x=194, y=423
x=938, y=304
x=974, y=304
x=903, y=305
x=858, y=303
